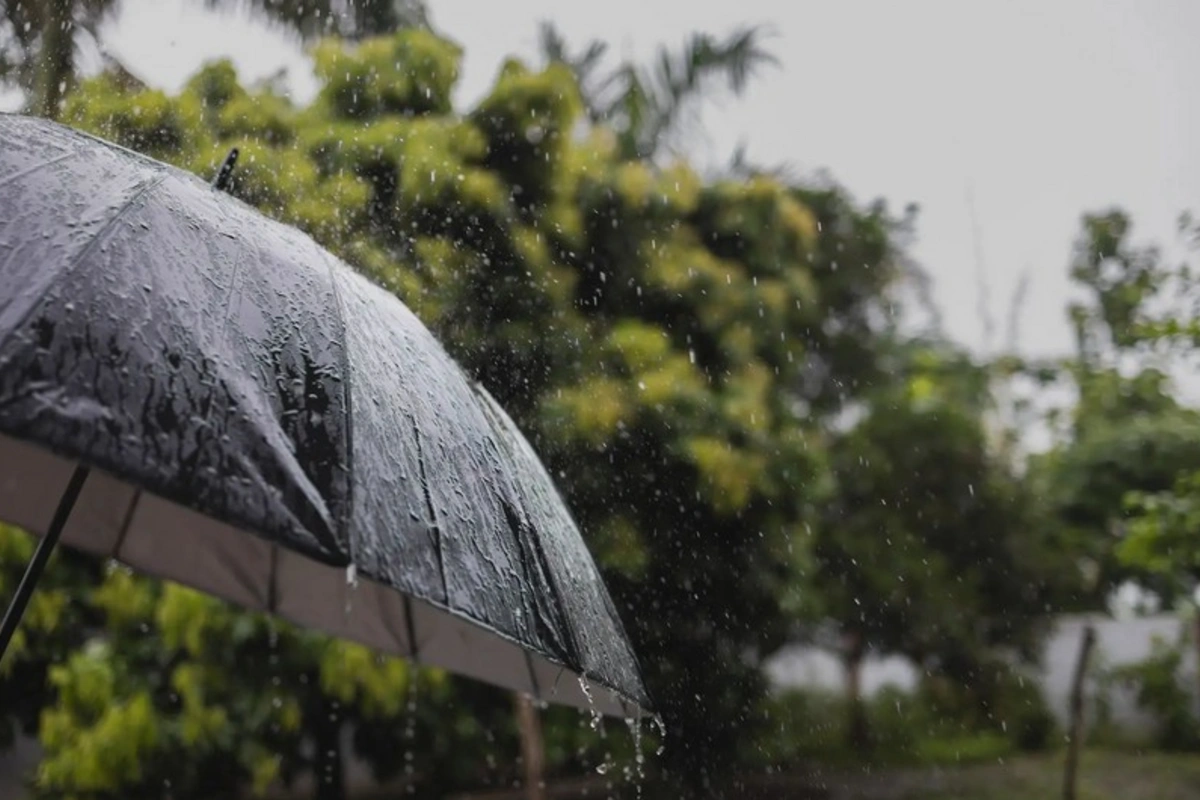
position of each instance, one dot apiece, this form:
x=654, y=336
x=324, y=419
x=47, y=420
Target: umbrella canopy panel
x=272, y=428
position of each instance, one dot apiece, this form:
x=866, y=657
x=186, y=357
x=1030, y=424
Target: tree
x=929, y=547
x=39, y=38
x=1127, y=433
x=37, y=45
x=648, y=105
x=1162, y=535
x=1164, y=532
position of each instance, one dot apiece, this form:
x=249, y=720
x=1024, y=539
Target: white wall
x=1118, y=641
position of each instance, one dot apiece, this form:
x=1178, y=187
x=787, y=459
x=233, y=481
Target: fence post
x=1076, y=712
x=532, y=749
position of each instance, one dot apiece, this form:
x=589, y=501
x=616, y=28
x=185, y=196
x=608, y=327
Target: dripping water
x=639, y=759
x=587, y=693
x=662, y=734
x=351, y=584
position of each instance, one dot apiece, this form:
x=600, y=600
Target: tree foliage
x=1163, y=532
x=931, y=546
x=1128, y=432
x=40, y=39
x=667, y=342
x=647, y=105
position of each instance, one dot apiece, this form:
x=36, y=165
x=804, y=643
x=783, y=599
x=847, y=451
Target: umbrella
x=210, y=397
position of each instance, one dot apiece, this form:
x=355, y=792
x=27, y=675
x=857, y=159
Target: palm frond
x=552, y=44
x=648, y=104
x=685, y=76
x=351, y=19
x=555, y=50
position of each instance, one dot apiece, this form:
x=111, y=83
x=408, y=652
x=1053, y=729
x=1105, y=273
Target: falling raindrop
x=410, y=727
x=639, y=760
x=662, y=733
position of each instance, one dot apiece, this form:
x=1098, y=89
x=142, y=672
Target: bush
x=973, y=747
x=805, y=725
x=1001, y=701
x=897, y=721
x=1160, y=691
x=904, y=728
x=1022, y=713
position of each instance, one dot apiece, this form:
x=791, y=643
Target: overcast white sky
x=1043, y=109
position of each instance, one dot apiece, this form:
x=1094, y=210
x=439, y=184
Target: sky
x=1004, y=122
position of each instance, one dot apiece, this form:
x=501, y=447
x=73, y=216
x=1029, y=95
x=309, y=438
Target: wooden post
x=530, y=728
x=1075, y=735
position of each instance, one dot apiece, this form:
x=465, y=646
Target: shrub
x=1022, y=713
x=1160, y=691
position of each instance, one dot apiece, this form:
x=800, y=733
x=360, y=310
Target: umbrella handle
x=37, y=564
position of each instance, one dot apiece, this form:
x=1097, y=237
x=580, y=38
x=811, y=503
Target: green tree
x=1127, y=432
x=1162, y=535
x=648, y=105
x=929, y=546
x=1162, y=532
x=663, y=340
x=39, y=38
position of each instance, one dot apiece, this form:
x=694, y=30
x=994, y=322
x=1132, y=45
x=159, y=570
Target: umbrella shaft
x=37, y=564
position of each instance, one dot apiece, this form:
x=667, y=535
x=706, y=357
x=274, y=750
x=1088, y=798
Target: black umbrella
x=210, y=397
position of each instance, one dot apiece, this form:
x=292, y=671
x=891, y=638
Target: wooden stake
x=530, y=728
x=1076, y=712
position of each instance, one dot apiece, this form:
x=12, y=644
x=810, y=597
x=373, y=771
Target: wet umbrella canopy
x=239, y=411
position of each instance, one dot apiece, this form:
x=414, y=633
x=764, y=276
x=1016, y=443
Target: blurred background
x=859, y=337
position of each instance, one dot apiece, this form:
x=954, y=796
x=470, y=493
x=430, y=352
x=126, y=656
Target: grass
x=962, y=750
x=1103, y=775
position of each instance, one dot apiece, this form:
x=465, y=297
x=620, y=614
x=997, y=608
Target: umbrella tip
x=222, y=180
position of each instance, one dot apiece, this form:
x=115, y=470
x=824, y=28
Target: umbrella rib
x=125, y=523
x=339, y=311
x=142, y=191
x=87, y=248
x=414, y=654
x=273, y=580
x=18, y=175
x=533, y=681
x=433, y=521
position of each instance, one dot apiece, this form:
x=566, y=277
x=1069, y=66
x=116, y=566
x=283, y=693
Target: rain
x=456, y=400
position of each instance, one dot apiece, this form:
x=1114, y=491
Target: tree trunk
x=853, y=652
x=56, y=61
x=328, y=767
x=530, y=728
x=1075, y=735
